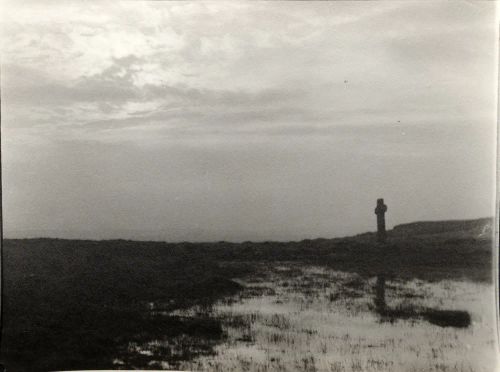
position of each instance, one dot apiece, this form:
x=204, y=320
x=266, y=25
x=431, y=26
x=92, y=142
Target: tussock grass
x=74, y=304
x=348, y=335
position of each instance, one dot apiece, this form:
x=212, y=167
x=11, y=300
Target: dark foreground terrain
x=75, y=304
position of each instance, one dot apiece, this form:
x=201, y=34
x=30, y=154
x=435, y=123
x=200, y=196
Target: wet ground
x=293, y=317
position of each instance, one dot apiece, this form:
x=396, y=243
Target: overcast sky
x=245, y=120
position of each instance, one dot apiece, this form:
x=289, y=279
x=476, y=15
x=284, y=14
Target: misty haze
x=249, y=186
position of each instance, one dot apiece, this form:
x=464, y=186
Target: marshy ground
x=265, y=306
x=293, y=317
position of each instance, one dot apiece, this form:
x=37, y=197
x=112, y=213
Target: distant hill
x=478, y=228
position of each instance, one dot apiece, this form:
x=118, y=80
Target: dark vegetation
x=441, y=318
x=74, y=304
x=78, y=304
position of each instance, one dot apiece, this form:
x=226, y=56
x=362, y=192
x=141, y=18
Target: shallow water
x=322, y=320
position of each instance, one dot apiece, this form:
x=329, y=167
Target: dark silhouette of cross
x=381, y=237
x=380, y=212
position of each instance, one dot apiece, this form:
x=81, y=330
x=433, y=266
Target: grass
x=74, y=304
x=297, y=330
x=78, y=304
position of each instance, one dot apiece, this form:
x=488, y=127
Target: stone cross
x=381, y=236
x=380, y=212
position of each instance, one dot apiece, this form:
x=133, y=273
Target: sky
x=207, y=121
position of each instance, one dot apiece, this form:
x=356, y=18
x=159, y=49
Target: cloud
x=197, y=59
x=210, y=116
